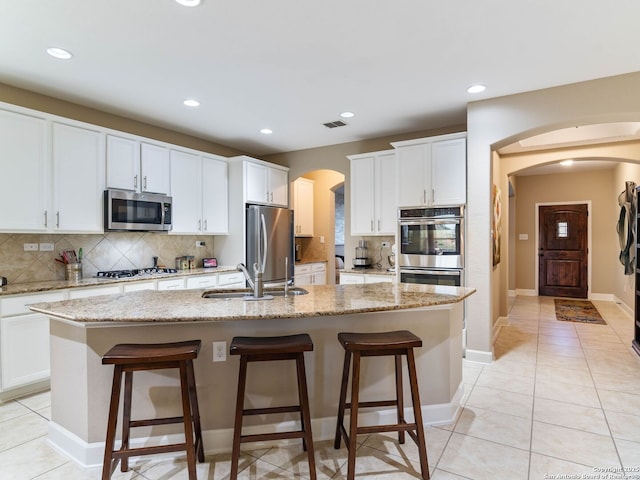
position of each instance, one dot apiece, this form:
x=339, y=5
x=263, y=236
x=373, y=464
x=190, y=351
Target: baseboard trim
x=605, y=297
x=526, y=292
x=501, y=322
x=217, y=441
x=511, y=293
x=479, y=356
x=623, y=306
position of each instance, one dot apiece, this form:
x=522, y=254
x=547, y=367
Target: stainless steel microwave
x=141, y=212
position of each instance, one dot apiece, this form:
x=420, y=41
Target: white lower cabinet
x=171, y=284
x=231, y=280
x=351, y=278
x=94, y=291
x=24, y=341
x=310, y=274
x=137, y=286
x=202, y=281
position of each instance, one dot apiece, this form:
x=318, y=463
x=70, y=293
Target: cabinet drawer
x=230, y=279
x=137, y=286
x=173, y=284
x=202, y=281
x=318, y=267
x=350, y=278
x=302, y=269
x=19, y=305
x=92, y=292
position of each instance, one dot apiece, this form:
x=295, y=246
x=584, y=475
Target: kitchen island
x=82, y=330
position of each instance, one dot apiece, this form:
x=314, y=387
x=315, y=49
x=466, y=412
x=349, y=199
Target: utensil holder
x=73, y=271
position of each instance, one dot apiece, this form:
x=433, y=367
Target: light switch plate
x=523, y=236
x=46, y=247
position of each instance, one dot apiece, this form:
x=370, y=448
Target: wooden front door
x=562, y=251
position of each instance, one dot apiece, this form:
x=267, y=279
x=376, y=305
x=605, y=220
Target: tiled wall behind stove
x=111, y=251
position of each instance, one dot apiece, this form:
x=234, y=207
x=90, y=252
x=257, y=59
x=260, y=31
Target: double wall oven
x=431, y=243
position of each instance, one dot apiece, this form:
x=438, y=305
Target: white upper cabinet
x=373, y=193
x=303, y=207
x=24, y=192
x=136, y=166
x=155, y=168
x=199, y=192
x=78, y=179
x=215, y=197
x=432, y=171
x=265, y=184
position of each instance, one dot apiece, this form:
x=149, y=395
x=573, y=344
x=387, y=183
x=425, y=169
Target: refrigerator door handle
x=264, y=252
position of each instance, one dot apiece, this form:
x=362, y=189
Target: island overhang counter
x=82, y=330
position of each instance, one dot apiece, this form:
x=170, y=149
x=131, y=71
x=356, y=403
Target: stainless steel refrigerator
x=270, y=239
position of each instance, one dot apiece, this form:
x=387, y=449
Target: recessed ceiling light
x=266, y=131
x=566, y=163
x=190, y=102
x=59, y=53
x=189, y=3
x=476, y=88
x=347, y=114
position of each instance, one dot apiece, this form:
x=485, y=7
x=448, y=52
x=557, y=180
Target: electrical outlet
x=385, y=244
x=199, y=243
x=46, y=247
x=30, y=247
x=220, y=351
x=321, y=238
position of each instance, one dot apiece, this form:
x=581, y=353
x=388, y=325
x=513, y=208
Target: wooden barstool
x=395, y=344
x=129, y=358
x=266, y=349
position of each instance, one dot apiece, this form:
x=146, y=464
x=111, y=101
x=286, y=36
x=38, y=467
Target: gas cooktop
x=137, y=272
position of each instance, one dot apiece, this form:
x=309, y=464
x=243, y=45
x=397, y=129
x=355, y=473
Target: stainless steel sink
x=247, y=294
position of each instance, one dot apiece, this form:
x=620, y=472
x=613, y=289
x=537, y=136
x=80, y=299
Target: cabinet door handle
x=45, y=219
x=145, y=182
x=424, y=196
x=372, y=225
x=433, y=195
x=205, y=224
x=378, y=224
x=58, y=219
x=199, y=225
x=135, y=181
x=271, y=197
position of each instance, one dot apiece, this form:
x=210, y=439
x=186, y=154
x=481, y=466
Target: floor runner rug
x=577, y=311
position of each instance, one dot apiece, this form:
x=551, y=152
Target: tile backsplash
x=110, y=251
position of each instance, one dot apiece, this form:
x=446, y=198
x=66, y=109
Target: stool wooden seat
x=262, y=349
x=398, y=343
x=129, y=358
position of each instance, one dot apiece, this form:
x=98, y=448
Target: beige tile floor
x=562, y=400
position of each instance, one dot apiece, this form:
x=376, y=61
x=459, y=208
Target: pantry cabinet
x=432, y=171
x=266, y=184
x=78, y=173
x=373, y=193
x=24, y=189
x=137, y=166
x=199, y=192
x=303, y=207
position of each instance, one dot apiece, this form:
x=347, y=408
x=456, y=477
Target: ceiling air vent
x=337, y=123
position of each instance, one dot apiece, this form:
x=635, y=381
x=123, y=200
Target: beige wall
x=43, y=103
x=496, y=122
x=596, y=187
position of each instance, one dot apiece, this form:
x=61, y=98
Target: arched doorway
x=321, y=246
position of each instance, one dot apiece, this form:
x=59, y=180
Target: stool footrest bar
x=268, y=410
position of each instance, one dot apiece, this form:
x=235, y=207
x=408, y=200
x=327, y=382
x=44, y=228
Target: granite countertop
x=188, y=305
x=35, y=287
